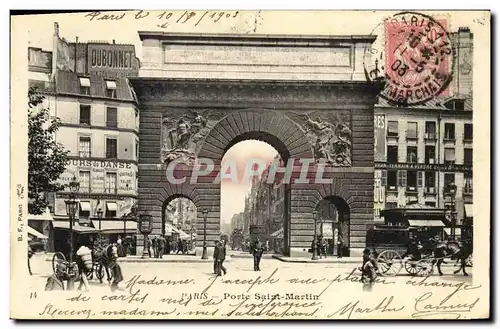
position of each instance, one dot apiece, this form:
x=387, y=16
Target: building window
x=449, y=155
x=412, y=180
x=85, y=115
x=430, y=130
x=136, y=150
x=411, y=154
x=85, y=86
x=392, y=129
x=110, y=183
x=84, y=147
x=111, y=117
x=110, y=89
x=392, y=154
x=449, y=131
x=468, y=183
x=430, y=182
x=392, y=179
x=84, y=178
x=111, y=148
x=448, y=179
x=137, y=181
x=467, y=156
x=457, y=104
x=430, y=204
x=430, y=154
x=468, y=131
x=412, y=131
x=402, y=178
x=391, y=205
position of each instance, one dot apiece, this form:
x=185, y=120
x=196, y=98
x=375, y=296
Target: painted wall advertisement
x=113, y=178
x=378, y=195
x=379, y=134
x=112, y=58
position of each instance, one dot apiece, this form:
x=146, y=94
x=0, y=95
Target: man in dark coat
x=257, y=251
x=161, y=246
x=220, y=256
x=154, y=245
x=340, y=245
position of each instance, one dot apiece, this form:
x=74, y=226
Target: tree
x=47, y=159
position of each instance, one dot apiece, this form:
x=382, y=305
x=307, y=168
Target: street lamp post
x=314, y=249
x=71, y=204
x=452, y=190
x=99, y=217
x=204, y=253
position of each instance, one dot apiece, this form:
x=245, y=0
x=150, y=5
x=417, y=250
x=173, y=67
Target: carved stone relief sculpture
x=329, y=134
x=182, y=134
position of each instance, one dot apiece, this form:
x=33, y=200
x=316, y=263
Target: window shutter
x=402, y=178
x=420, y=178
x=383, y=180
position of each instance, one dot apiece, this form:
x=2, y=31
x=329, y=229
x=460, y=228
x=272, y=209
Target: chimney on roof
x=76, y=40
x=114, y=41
x=56, y=28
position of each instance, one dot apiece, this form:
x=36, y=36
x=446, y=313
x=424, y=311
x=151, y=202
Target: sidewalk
x=328, y=260
x=169, y=258
x=245, y=254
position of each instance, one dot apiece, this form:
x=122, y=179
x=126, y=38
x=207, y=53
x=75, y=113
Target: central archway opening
x=251, y=206
x=332, y=226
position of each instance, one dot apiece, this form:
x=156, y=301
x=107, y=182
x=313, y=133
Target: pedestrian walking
x=219, y=257
x=257, y=251
x=154, y=243
x=340, y=245
x=161, y=246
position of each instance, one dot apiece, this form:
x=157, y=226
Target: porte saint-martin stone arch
x=322, y=110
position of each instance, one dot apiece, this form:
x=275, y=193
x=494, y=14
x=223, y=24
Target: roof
x=68, y=83
x=436, y=103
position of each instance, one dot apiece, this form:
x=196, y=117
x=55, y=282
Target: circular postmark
x=411, y=59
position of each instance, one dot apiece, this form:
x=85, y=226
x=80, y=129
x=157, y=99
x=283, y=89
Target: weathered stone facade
x=290, y=115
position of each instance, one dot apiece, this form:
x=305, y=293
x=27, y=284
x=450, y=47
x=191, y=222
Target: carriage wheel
x=389, y=262
x=412, y=268
x=100, y=271
x=56, y=259
x=90, y=273
x=426, y=267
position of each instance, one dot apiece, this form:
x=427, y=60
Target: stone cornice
x=278, y=91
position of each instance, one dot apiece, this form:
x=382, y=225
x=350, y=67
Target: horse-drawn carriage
x=397, y=247
x=100, y=257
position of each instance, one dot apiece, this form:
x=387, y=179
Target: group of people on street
x=219, y=256
x=321, y=246
x=161, y=245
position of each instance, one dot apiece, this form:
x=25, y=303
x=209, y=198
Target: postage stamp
x=218, y=164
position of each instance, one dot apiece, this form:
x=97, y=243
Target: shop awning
x=425, y=223
x=85, y=205
x=468, y=210
x=36, y=234
x=183, y=235
x=111, y=206
x=458, y=231
x=278, y=234
x=115, y=226
x=45, y=216
x=76, y=227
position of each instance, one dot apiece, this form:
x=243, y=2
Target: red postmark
x=419, y=58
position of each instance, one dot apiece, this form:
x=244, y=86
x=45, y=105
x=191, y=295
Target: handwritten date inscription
x=166, y=18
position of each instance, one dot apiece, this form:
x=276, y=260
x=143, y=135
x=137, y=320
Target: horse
x=454, y=250
x=105, y=257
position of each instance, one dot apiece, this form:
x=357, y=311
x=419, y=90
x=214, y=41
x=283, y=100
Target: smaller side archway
x=333, y=222
x=178, y=225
